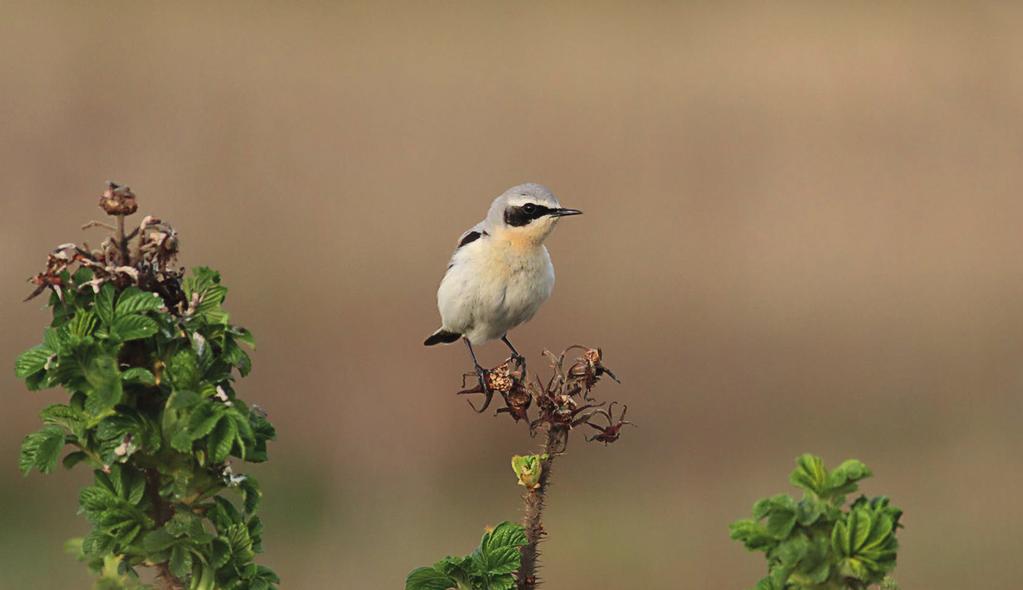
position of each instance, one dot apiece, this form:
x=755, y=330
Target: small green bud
x=528, y=469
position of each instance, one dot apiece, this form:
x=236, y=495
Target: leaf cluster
x=817, y=543
x=152, y=409
x=490, y=567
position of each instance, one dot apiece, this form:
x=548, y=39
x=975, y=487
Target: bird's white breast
x=492, y=286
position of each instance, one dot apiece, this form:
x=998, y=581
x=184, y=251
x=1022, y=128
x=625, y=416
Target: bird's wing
x=469, y=236
x=472, y=234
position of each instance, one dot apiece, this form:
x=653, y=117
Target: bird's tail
x=442, y=336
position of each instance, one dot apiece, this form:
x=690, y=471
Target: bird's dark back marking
x=470, y=237
x=517, y=216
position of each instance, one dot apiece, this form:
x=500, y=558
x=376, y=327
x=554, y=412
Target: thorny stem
x=533, y=510
x=563, y=404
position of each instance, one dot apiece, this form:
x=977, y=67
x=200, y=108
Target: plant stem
x=162, y=512
x=166, y=579
x=121, y=242
x=533, y=512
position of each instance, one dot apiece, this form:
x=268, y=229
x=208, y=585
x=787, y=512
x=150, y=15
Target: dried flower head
x=144, y=258
x=563, y=402
x=506, y=379
x=118, y=200
x=611, y=432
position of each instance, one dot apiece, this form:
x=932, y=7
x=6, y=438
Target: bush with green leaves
x=490, y=567
x=819, y=543
x=148, y=359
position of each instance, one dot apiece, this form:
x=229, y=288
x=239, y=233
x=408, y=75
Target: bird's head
x=526, y=214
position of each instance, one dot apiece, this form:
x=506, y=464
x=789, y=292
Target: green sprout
x=528, y=469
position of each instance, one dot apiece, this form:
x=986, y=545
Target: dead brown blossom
x=611, y=432
x=145, y=257
x=562, y=403
x=118, y=200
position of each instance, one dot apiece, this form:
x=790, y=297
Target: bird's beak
x=565, y=212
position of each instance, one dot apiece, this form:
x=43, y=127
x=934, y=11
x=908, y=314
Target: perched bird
x=500, y=272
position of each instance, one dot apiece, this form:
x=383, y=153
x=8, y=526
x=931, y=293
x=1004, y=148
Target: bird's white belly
x=485, y=296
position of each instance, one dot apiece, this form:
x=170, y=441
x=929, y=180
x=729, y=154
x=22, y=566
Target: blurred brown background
x=801, y=234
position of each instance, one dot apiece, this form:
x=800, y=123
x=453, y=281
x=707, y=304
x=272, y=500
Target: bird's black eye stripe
x=523, y=214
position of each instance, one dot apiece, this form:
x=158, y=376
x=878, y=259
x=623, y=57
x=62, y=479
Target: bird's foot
x=482, y=374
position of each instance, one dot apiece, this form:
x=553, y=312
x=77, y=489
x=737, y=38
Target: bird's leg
x=481, y=373
x=518, y=358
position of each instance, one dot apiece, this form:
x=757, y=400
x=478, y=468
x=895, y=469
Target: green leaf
x=184, y=370
x=221, y=553
x=222, y=440
x=854, y=568
x=140, y=376
x=72, y=459
x=136, y=489
x=82, y=325
x=158, y=540
x=64, y=416
x=752, y=534
x=52, y=339
x=859, y=528
x=105, y=387
x=427, y=578
x=809, y=511
x=181, y=562
x=32, y=361
x=243, y=335
x=780, y=522
x=206, y=580
x=206, y=283
x=503, y=560
x=792, y=550
x=453, y=567
x=41, y=450
x=237, y=357
x=134, y=327
x=103, y=304
x=134, y=300
x=843, y=479
x=96, y=498
x=505, y=582
x=204, y=418
x=251, y=494
x=810, y=474
x=506, y=534
x=237, y=536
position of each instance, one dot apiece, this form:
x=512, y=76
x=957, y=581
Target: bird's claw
x=481, y=374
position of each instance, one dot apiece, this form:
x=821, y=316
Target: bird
x=500, y=273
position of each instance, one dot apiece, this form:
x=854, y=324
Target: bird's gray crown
x=529, y=193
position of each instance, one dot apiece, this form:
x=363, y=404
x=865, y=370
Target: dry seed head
x=118, y=200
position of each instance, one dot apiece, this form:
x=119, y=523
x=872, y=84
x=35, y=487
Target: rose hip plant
x=508, y=556
x=819, y=543
x=148, y=358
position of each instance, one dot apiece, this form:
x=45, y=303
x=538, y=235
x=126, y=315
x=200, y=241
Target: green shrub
x=148, y=360
x=817, y=543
